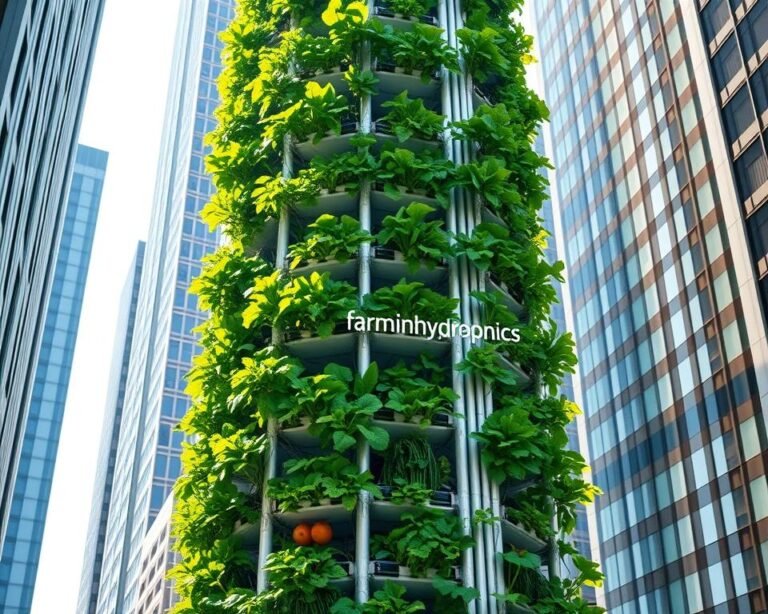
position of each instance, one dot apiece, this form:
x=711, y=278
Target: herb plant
x=422, y=242
x=329, y=238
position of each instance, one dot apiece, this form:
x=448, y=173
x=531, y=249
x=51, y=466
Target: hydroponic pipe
x=363, y=515
x=270, y=469
x=457, y=355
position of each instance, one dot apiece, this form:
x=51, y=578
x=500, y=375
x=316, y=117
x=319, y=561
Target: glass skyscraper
x=663, y=300
x=21, y=550
x=148, y=454
x=105, y=466
x=46, y=52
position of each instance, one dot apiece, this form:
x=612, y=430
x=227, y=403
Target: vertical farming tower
x=374, y=431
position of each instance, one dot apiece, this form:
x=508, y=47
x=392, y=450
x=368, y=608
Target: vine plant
x=301, y=85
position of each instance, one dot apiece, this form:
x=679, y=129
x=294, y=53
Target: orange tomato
x=322, y=533
x=302, y=534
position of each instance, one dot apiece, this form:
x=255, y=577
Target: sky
x=124, y=116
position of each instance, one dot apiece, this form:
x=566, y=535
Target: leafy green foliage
x=427, y=539
x=409, y=118
x=310, y=480
x=412, y=461
x=422, y=242
x=418, y=50
x=482, y=53
x=302, y=580
x=424, y=172
x=410, y=8
x=410, y=300
x=388, y=600
x=329, y=238
x=315, y=303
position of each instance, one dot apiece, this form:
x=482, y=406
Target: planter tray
x=266, y=237
x=340, y=271
x=489, y=217
x=436, y=435
x=401, y=346
x=386, y=511
x=522, y=377
x=247, y=534
x=395, y=270
x=332, y=203
x=334, y=513
x=335, y=78
x=322, y=347
x=400, y=22
x=413, y=144
x=388, y=415
x=509, y=300
x=327, y=146
x=381, y=201
x=392, y=84
x=416, y=588
x=516, y=536
x=514, y=608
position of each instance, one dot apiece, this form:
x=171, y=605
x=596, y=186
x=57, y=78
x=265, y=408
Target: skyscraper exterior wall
x=148, y=454
x=664, y=304
x=734, y=39
x=105, y=465
x=46, y=51
x=21, y=551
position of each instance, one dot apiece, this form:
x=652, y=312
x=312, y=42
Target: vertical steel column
x=270, y=470
x=363, y=515
x=461, y=434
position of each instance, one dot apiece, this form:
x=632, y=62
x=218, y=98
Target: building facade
x=46, y=52
x=663, y=300
x=156, y=593
x=148, y=455
x=21, y=550
x=105, y=465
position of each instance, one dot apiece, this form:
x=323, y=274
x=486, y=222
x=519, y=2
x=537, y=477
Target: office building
x=156, y=593
x=663, y=297
x=105, y=464
x=148, y=454
x=32, y=487
x=46, y=51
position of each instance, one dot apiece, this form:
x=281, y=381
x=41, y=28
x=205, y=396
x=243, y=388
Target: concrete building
x=105, y=467
x=663, y=284
x=46, y=51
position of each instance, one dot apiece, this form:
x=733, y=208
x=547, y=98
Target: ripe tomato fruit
x=302, y=534
x=322, y=533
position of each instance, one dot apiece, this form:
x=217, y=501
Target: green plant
x=427, y=540
x=425, y=172
x=482, y=247
x=405, y=493
x=412, y=460
x=410, y=8
x=311, y=480
x=512, y=446
x=545, y=352
x=329, y=238
x=273, y=194
x=489, y=177
x=409, y=300
x=421, y=242
x=302, y=580
x=483, y=57
x=347, y=170
x=452, y=597
x=483, y=361
x=315, y=303
x=387, y=600
x=409, y=118
x=418, y=50
x=361, y=82
x=318, y=54
x=348, y=413
x=316, y=115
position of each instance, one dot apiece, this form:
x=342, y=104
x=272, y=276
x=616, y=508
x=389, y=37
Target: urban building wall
x=32, y=487
x=148, y=457
x=105, y=465
x=664, y=304
x=46, y=52
x=156, y=593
